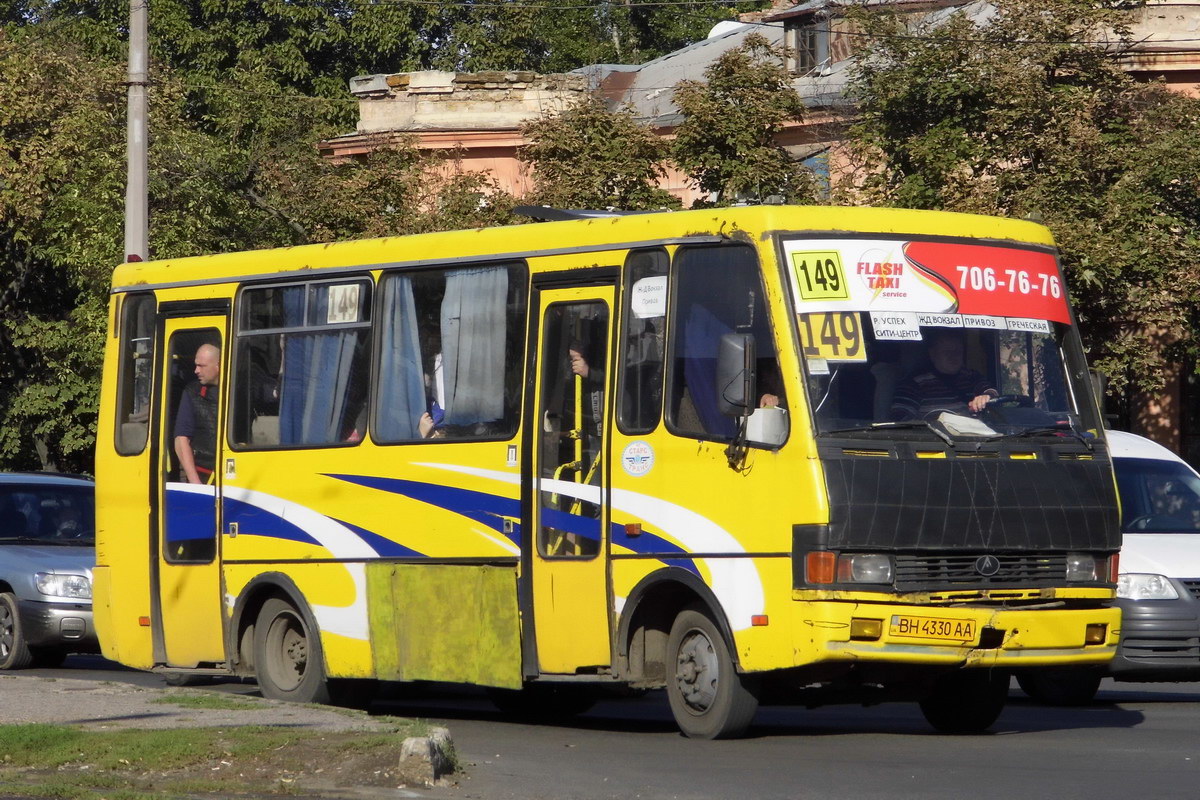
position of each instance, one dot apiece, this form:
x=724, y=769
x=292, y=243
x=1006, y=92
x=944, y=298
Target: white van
x=1159, y=586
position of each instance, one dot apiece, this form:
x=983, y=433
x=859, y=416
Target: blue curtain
x=401, y=388
x=317, y=369
x=701, y=339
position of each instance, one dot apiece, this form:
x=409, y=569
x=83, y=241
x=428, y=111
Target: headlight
x=864, y=568
x=76, y=587
x=1134, y=586
x=1081, y=567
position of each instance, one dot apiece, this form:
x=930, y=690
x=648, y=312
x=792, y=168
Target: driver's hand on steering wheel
x=978, y=402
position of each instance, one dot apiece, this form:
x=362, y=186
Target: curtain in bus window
x=702, y=333
x=317, y=369
x=401, y=389
x=473, y=323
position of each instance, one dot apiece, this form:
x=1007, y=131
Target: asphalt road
x=1137, y=741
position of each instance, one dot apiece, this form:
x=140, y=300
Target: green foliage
x=1026, y=114
x=590, y=157
x=727, y=141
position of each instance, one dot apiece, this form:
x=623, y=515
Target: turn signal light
x=866, y=630
x=820, y=566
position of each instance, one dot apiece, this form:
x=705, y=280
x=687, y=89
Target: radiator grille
x=933, y=572
x=1193, y=587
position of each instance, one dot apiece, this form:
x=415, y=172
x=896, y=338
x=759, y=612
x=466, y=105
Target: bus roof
x=514, y=241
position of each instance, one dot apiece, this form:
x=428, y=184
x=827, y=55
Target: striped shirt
x=933, y=391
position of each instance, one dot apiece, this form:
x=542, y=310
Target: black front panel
x=976, y=501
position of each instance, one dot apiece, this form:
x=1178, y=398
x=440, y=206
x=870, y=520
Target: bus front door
x=570, y=595
x=187, y=617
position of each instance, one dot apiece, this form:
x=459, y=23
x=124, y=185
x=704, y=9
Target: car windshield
x=47, y=513
x=1157, y=496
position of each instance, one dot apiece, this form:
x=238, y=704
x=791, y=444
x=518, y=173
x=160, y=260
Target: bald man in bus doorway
x=196, y=418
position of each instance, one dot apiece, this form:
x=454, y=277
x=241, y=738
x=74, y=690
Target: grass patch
x=58, y=761
x=210, y=700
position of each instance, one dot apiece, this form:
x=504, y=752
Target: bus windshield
x=967, y=340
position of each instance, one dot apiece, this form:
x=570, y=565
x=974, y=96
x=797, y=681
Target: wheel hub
x=697, y=671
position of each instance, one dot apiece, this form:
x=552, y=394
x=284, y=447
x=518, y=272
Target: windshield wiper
x=902, y=424
x=1046, y=430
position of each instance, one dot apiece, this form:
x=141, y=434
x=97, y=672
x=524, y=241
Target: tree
x=590, y=157
x=727, y=140
x=1027, y=113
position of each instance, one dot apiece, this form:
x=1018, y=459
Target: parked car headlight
x=1135, y=586
x=76, y=587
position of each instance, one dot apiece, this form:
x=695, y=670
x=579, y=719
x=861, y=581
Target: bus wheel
x=967, y=701
x=287, y=655
x=14, y=653
x=1061, y=687
x=708, y=697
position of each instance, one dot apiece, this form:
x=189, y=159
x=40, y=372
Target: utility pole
x=137, y=227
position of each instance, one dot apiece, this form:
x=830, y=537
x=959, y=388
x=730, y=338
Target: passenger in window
x=196, y=418
x=949, y=386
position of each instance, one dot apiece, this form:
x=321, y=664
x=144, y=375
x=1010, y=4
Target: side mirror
x=736, y=381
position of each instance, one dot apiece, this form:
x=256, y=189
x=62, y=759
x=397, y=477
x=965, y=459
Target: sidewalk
x=103, y=705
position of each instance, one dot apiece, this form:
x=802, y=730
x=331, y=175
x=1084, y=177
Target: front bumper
x=67, y=626
x=1001, y=637
x=1160, y=640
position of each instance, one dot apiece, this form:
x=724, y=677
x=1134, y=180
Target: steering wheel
x=1018, y=400
x=1161, y=522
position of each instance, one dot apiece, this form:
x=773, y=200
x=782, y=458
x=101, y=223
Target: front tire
x=14, y=652
x=967, y=701
x=288, y=661
x=708, y=697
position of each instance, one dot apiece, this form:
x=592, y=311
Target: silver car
x=1158, y=591
x=47, y=550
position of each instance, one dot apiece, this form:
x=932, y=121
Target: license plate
x=955, y=630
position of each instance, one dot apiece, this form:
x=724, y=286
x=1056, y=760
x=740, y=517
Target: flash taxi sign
x=928, y=278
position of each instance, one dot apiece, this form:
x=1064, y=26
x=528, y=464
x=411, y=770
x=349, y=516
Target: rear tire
x=1061, y=687
x=14, y=652
x=288, y=661
x=967, y=701
x=708, y=697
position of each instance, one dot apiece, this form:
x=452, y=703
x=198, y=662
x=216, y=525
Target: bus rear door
x=570, y=483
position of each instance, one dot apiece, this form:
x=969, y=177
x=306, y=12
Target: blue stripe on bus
x=381, y=544
x=491, y=510
x=255, y=521
x=190, y=516
x=487, y=509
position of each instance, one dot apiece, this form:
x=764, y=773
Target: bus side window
x=136, y=370
x=717, y=290
x=644, y=329
x=450, y=353
x=301, y=364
